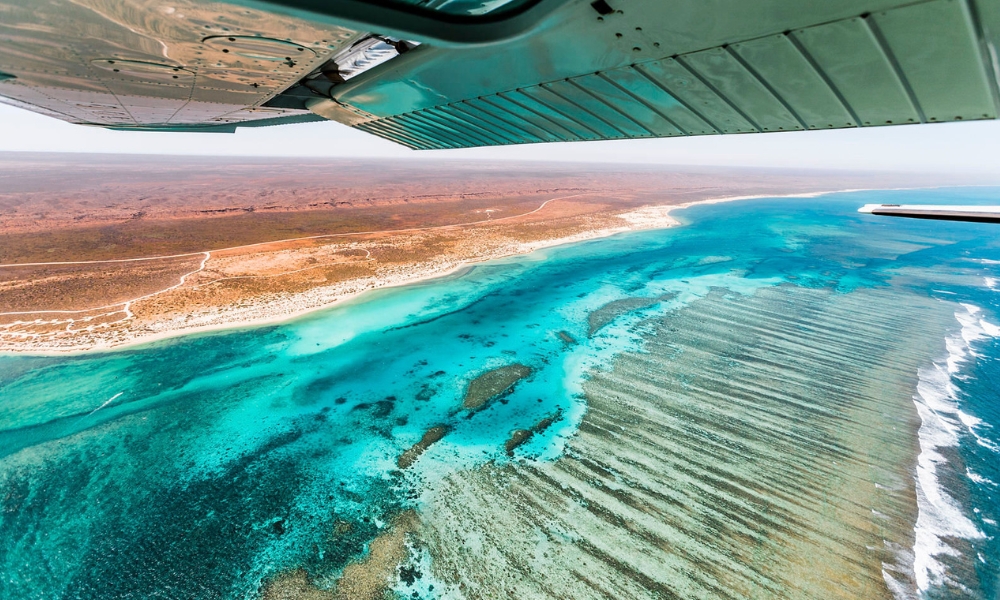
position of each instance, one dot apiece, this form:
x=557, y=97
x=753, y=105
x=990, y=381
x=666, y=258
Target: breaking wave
x=940, y=515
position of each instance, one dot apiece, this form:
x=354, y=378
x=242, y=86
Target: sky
x=965, y=147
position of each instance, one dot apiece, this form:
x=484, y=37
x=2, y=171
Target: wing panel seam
x=890, y=56
x=512, y=123
x=440, y=111
x=638, y=69
x=694, y=73
x=549, y=131
x=774, y=93
x=822, y=75
x=462, y=107
x=582, y=108
x=612, y=106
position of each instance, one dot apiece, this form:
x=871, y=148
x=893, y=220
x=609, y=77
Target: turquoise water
x=203, y=466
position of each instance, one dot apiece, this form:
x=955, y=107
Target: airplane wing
x=431, y=74
x=973, y=214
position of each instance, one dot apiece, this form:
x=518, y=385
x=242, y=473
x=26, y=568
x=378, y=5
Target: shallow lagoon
x=207, y=465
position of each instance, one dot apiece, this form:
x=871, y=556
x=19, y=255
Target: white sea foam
x=991, y=282
x=977, y=478
x=106, y=402
x=988, y=444
x=989, y=328
x=940, y=515
x=968, y=420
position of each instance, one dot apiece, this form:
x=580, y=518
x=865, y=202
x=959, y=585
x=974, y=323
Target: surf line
x=942, y=422
x=106, y=402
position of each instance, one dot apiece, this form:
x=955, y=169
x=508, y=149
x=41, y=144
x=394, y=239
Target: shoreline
x=341, y=299
x=646, y=218
x=837, y=456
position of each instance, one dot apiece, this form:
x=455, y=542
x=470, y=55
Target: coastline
x=645, y=218
x=413, y=279
x=768, y=441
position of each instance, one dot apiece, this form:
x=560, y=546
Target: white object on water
x=107, y=402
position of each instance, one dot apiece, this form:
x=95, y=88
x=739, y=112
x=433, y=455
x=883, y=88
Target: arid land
x=99, y=252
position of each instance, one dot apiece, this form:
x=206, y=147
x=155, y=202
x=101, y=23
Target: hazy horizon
x=946, y=148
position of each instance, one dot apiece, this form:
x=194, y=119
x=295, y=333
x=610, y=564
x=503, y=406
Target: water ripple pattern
x=782, y=398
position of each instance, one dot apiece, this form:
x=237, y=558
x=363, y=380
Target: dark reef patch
x=614, y=309
x=493, y=384
x=519, y=437
x=431, y=436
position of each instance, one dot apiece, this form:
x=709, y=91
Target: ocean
x=782, y=397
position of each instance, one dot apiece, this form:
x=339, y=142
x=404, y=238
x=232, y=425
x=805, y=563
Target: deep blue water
x=202, y=466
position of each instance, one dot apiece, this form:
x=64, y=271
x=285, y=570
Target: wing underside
x=611, y=69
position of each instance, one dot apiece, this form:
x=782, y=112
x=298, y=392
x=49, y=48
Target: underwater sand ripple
x=758, y=447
